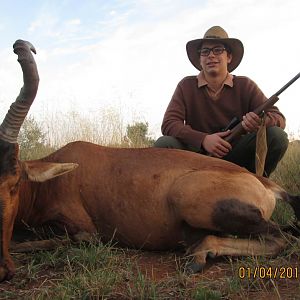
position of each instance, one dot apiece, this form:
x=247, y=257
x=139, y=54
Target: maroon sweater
x=192, y=114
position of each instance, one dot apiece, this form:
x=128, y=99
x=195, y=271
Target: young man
x=203, y=105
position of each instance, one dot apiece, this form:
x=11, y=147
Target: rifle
x=235, y=124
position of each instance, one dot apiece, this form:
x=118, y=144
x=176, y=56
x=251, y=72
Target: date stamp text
x=262, y=272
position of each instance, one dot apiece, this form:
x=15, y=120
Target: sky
x=129, y=55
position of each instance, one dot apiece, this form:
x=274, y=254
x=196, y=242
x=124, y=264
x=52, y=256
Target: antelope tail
x=281, y=193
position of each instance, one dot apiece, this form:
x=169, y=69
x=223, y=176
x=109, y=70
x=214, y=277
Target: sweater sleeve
x=174, y=121
x=274, y=116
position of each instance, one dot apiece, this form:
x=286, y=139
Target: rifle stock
x=238, y=130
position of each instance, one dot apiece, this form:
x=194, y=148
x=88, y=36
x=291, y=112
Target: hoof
x=193, y=268
x=211, y=254
x=5, y=274
x=82, y=236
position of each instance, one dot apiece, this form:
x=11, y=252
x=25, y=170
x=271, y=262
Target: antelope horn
x=10, y=127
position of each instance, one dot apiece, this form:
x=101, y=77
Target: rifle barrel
x=238, y=130
x=287, y=85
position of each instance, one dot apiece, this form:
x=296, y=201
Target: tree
x=32, y=140
x=137, y=135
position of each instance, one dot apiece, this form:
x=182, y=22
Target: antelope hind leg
x=213, y=246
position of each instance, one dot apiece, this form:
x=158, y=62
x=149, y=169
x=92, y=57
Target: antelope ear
x=41, y=171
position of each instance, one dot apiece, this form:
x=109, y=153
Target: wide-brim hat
x=219, y=35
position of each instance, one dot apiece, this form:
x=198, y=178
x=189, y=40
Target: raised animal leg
x=233, y=203
x=213, y=246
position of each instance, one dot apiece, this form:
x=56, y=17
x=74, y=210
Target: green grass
x=88, y=271
x=287, y=173
x=96, y=271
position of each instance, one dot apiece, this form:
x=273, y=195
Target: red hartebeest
x=12, y=171
x=146, y=198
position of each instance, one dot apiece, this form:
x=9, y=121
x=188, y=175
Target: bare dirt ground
x=159, y=266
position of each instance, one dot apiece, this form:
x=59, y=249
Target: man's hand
x=215, y=145
x=251, y=122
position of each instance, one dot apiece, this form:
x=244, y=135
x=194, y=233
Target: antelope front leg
x=7, y=269
x=7, y=266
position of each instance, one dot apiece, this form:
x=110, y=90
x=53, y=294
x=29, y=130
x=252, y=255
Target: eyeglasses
x=215, y=50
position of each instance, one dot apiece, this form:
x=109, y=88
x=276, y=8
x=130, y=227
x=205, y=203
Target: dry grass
x=105, y=128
